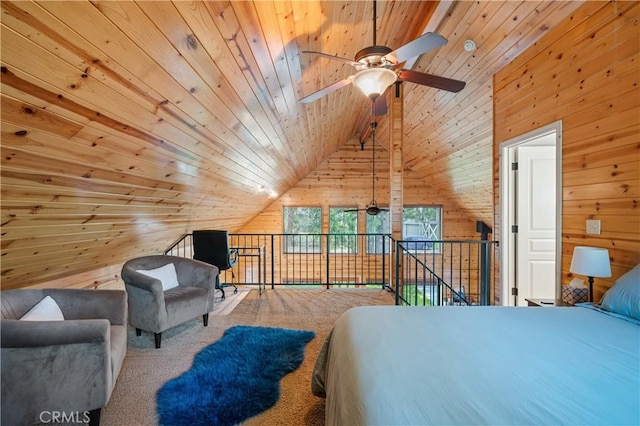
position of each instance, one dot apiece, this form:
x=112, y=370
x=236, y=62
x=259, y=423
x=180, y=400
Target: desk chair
x=212, y=246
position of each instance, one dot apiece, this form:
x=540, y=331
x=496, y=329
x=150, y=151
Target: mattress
x=393, y=365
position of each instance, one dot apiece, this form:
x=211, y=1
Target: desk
x=546, y=302
x=255, y=252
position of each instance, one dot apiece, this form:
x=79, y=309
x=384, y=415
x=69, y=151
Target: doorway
x=531, y=215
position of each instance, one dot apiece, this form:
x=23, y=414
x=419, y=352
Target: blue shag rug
x=233, y=379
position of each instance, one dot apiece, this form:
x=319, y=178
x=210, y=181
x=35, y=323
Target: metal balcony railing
x=305, y=260
x=444, y=272
x=421, y=272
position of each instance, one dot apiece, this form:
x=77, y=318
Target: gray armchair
x=68, y=366
x=154, y=310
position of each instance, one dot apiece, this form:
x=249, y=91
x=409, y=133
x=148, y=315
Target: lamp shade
x=591, y=261
x=374, y=81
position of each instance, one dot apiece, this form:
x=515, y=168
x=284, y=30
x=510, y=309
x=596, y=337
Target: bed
x=393, y=365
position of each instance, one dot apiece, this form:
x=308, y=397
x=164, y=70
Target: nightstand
x=546, y=302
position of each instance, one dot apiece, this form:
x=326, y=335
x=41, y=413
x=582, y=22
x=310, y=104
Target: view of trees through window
x=341, y=223
x=420, y=226
x=378, y=224
x=306, y=223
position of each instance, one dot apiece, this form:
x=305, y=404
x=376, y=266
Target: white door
x=536, y=222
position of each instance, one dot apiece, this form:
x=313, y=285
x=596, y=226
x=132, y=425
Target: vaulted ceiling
x=190, y=110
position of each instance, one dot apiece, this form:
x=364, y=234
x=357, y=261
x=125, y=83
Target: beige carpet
x=231, y=300
x=145, y=368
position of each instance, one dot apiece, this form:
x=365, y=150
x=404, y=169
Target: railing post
x=397, y=274
x=273, y=261
x=384, y=255
x=327, y=259
x=485, y=263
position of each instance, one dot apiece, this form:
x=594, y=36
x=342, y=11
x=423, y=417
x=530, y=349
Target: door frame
x=507, y=192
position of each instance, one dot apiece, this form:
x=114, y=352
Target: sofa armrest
x=195, y=273
x=77, y=304
x=143, y=282
x=30, y=334
x=145, y=298
x=54, y=366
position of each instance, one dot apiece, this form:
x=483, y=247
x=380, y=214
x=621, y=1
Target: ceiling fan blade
x=432, y=80
x=380, y=106
x=325, y=91
x=334, y=57
x=424, y=43
x=350, y=210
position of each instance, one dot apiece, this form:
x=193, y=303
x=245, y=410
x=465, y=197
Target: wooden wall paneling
x=396, y=164
x=103, y=278
x=579, y=24
x=351, y=102
x=185, y=92
x=590, y=75
x=334, y=39
x=465, y=10
x=146, y=120
x=248, y=20
x=344, y=179
x=190, y=157
x=276, y=41
x=196, y=80
x=16, y=57
x=309, y=19
x=209, y=37
x=291, y=123
x=494, y=49
x=585, y=72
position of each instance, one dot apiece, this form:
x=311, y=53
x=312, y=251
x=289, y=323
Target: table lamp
x=592, y=262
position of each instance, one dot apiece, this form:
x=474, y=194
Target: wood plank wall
x=584, y=72
x=128, y=123
x=344, y=180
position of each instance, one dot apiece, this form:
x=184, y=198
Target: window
x=343, y=222
x=378, y=224
x=421, y=225
x=306, y=225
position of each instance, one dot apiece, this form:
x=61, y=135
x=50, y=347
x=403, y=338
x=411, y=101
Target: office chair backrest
x=212, y=246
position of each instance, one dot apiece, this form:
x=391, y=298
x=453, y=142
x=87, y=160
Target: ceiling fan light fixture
x=374, y=81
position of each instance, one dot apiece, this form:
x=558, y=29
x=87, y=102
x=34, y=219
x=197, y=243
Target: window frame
x=352, y=239
x=385, y=244
x=434, y=248
x=291, y=238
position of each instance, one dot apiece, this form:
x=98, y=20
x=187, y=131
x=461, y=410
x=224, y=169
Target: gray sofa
x=69, y=367
x=154, y=310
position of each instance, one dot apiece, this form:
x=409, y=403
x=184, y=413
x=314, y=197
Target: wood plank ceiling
x=126, y=124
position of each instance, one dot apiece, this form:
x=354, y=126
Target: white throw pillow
x=45, y=310
x=166, y=274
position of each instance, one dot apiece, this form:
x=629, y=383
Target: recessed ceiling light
x=469, y=46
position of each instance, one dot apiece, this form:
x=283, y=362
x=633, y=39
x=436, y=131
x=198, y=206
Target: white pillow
x=166, y=274
x=45, y=310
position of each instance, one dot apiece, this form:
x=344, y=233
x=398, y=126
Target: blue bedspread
x=392, y=365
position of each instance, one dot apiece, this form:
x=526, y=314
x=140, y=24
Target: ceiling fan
x=378, y=67
x=372, y=209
